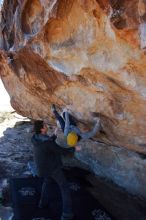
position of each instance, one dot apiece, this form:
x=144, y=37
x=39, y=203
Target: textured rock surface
x=85, y=54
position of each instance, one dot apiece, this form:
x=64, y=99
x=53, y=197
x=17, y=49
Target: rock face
x=84, y=54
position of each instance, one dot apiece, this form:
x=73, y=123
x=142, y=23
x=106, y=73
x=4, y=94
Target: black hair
x=38, y=125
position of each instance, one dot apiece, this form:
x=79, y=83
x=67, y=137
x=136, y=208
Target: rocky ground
x=15, y=145
x=16, y=151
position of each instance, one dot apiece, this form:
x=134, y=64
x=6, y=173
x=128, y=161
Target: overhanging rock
x=86, y=55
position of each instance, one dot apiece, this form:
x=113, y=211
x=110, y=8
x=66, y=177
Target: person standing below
x=47, y=158
x=69, y=127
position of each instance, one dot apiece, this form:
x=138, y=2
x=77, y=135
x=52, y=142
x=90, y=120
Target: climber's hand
x=56, y=130
x=78, y=148
x=65, y=110
x=97, y=120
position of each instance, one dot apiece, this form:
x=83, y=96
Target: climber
x=69, y=127
x=47, y=158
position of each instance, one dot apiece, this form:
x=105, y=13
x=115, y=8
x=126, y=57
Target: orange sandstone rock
x=85, y=54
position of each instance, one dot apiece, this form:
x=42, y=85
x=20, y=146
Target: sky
x=4, y=99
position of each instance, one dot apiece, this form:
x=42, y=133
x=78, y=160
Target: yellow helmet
x=72, y=139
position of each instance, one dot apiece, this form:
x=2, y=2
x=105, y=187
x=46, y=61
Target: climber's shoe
x=67, y=216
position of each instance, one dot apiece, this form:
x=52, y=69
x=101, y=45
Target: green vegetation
x=5, y=115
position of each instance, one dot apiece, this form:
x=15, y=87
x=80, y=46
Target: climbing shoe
x=43, y=204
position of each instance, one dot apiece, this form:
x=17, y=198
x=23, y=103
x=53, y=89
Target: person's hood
x=39, y=137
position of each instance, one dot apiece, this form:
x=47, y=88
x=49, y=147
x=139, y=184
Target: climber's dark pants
x=60, y=179
x=62, y=120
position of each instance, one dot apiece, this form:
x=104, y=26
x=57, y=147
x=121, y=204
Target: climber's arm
x=90, y=134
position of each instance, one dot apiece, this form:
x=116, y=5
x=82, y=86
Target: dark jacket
x=47, y=154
